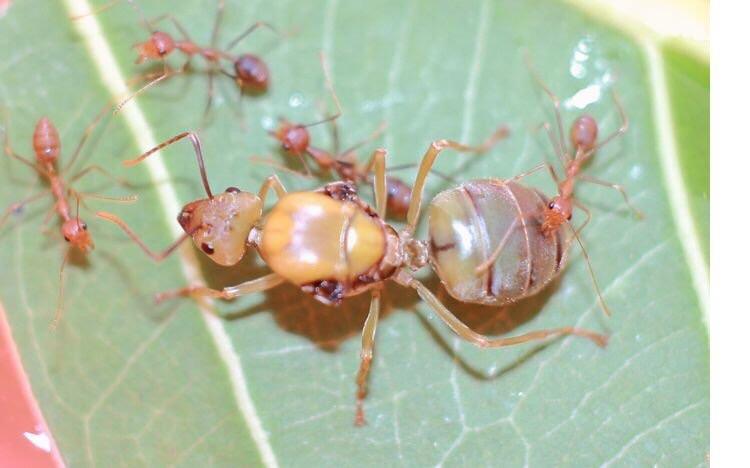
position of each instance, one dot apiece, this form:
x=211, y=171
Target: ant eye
x=67, y=239
x=84, y=226
x=232, y=190
x=551, y=205
x=570, y=216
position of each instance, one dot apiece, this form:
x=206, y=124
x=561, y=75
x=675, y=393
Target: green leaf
x=124, y=382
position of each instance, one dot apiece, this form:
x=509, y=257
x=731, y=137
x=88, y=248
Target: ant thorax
x=220, y=225
x=329, y=242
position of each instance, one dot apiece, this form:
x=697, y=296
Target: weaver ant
x=47, y=145
x=251, y=74
x=295, y=139
x=330, y=243
x=520, y=222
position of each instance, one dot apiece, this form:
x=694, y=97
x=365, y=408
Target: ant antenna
x=196, y=148
x=599, y=296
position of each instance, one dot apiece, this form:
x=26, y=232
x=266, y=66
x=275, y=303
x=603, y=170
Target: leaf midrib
x=103, y=58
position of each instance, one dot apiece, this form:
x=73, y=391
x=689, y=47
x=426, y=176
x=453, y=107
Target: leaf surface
x=124, y=382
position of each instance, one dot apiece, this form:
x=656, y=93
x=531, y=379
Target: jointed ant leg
x=155, y=256
x=624, y=123
x=97, y=168
x=196, y=148
x=426, y=165
x=230, y=292
x=9, y=149
x=377, y=161
x=479, y=270
x=619, y=188
x=271, y=182
x=482, y=341
x=86, y=134
x=556, y=103
x=13, y=207
x=247, y=32
x=365, y=355
x=535, y=169
x=372, y=137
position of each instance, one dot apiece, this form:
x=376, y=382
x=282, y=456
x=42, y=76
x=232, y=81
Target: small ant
x=295, y=139
x=525, y=223
x=332, y=245
x=250, y=72
x=46, y=144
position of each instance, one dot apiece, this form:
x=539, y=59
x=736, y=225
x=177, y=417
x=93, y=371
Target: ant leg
x=577, y=237
x=555, y=102
x=161, y=77
x=624, y=124
x=196, y=148
x=535, y=169
x=217, y=23
x=60, y=292
x=97, y=168
x=372, y=137
x=365, y=355
x=230, y=292
x=483, y=341
x=377, y=162
x=564, y=157
x=435, y=148
x=14, y=207
x=155, y=256
x=638, y=213
x=247, y=32
x=479, y=270
x=86, y=134
x=9, y=149
x=271, y=182
x=81, y=196
x=278, y=166
x=209, y=98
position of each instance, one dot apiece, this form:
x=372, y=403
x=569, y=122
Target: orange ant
x=295, y=139
x=541, y=220
x=46, y=144
x=250, y=72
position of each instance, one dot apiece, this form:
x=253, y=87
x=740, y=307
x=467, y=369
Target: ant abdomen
x=46, y=141
x=481, y=219
x=252, y=73
x=399, y=197
x=583, y=133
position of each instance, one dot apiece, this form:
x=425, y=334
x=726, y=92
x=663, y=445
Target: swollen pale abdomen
x=468, y=222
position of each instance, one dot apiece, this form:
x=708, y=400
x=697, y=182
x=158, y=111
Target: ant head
x=583, y=133
x=76, y=233
x=220, y=225
x=293, y=138
x=252, y=73
x=556, y=213
x=46, y=141
x=157, y=46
